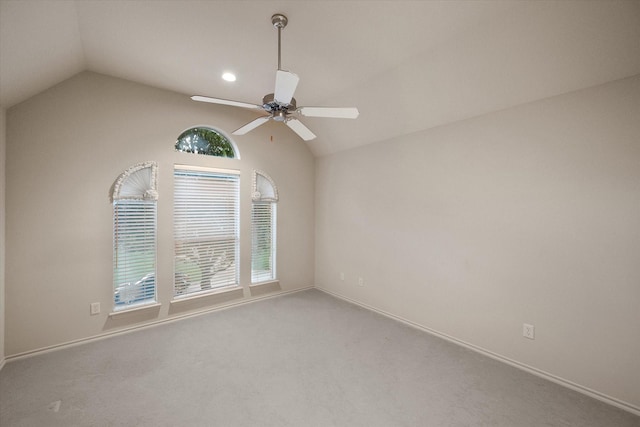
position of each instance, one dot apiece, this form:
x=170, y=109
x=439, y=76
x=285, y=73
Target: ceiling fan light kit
x=280, y=106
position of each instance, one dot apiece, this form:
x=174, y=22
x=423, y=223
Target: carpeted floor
x=304, y=359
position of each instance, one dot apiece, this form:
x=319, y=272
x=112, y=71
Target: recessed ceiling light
x=230, y=77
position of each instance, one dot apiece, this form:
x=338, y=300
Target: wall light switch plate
x=95, y=308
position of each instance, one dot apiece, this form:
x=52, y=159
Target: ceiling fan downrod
x=279, y=21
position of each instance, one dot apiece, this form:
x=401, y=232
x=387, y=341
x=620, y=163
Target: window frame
x=264, y=194
x=195, y=247
x=135, y=227
x=222, y=134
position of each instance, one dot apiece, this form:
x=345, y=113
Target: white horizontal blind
x=134, y=252
x=263, y=239
x=206, y=217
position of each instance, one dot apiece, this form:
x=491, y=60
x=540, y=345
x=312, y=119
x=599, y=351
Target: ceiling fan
x=281, y=105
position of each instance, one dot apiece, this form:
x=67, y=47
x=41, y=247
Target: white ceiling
x=407, y=65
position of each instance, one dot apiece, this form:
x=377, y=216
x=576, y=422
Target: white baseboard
x=176, y=318
x=535, y=371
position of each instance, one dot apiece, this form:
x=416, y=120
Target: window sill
x=265, y=283
x=262, y=288
x=200, y=297
x=137, y=309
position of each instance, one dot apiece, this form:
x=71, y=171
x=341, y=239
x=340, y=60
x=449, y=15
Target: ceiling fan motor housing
x=278, y=110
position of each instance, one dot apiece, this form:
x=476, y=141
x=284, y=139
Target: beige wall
x=66, y=147
x=527, y=215
x=3, y=144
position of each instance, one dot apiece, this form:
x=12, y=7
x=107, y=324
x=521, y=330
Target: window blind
x=134, y=252
x=263, y=241
x=206, y=217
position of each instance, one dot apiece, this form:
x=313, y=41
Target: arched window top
x=264, y=189
x=139, y=182
x=207, y=141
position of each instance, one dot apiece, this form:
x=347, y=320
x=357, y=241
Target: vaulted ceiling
x=407, y=65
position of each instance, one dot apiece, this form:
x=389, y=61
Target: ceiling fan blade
x=335, y=112
x=298, y=127
x=251, y=125
x=226, y=102
x=286, y=84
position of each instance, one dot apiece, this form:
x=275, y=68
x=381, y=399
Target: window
x=134, y=199
x=207, y=141
x=206, y=217
x=263, y=228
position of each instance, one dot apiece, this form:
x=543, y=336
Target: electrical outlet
x=360, y=281
x=95, y=308
x=528, y=331
x=341, y=276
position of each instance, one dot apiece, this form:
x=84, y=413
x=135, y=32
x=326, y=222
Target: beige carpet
x=304, y=359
